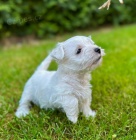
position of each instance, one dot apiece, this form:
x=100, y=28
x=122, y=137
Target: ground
x=114, y=91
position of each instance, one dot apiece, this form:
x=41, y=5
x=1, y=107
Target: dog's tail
x=45, y=63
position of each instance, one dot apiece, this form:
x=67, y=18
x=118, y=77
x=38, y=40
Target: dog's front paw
x=90, y=113
x=73, y=119
x=21, y=113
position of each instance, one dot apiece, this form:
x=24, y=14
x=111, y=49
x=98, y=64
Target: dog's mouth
x=97, y=60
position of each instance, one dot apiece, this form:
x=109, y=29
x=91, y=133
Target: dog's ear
x=90, y=37
x=58, y=52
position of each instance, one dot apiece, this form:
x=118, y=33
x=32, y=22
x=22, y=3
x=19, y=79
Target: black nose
x=97, y=50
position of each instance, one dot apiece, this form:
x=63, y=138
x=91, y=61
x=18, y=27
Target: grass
x=114, y=92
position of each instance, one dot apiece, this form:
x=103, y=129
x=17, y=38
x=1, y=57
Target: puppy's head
x=78, y=53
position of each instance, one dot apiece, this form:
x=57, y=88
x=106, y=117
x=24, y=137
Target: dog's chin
x=95, y=64
x=97, y=61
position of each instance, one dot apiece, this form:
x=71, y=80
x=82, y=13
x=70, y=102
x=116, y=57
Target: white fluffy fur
x=67, y=88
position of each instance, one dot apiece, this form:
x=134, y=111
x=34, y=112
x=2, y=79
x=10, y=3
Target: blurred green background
x=50, y=17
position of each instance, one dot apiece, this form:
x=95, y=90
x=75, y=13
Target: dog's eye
x=78, y=51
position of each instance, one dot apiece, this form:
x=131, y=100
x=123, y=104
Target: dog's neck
x=77, y=75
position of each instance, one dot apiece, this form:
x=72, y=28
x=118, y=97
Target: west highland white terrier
x=69, y=87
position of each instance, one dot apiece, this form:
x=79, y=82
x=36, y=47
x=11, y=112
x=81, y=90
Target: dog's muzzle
x=97, y=60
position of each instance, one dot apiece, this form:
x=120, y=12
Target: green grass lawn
x=114, y=91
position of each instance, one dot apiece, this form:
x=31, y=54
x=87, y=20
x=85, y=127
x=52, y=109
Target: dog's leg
x=87, y=111
x=70, y=106
x=24, y=106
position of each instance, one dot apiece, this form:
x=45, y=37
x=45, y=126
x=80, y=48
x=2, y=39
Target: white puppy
x=67, y=88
